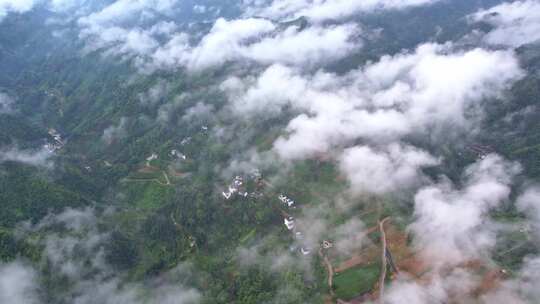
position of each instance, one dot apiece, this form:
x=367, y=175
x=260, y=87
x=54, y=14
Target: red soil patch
x=148, y=169
x=352, y=262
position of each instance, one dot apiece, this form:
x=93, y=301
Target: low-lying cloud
x=18, y=284
x=381, y=102
x=378, y=172
x=15, y=6
x=41, y=157
x=114, y=133
x=515, y=23
x=327, y=9
x=6, y=104
x=77, y=254
x=453, y=225
x=259, y=41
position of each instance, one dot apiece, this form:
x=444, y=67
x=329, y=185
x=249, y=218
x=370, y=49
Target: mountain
x=276, y=151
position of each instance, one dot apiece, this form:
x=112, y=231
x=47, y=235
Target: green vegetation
x=356, y=281
x=27, y=196
x=163, y=220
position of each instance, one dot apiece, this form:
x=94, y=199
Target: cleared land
x=356, y=281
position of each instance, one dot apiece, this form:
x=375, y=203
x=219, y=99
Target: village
x=383, y=253
x=57, y=142
x=286, y=206
x=360, y=276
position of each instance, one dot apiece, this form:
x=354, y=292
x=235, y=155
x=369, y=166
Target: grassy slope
x=356, y=281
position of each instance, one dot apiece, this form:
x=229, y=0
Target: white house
x=290, y=202
x=289, y=222
x=152, y=157
x=185, y=140
x=178, y=154
x=285, y=200
x=238, y=181
x=226, y=195
x=327, y=244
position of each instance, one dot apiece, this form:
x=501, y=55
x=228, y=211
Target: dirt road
x=329, y=269
x=383, y=260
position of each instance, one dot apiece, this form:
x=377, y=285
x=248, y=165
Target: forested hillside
x=163, y=151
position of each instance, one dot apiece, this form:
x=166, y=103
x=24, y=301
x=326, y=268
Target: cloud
x=66, y=5
x=132, y=31
x=515, y=23
x=461, y=286
x=312, y=226
x=457, y=285
x=225, y=39
x=313, y=45
x=74, y=249
x=114, y=133
x=6, y=104
x=348, y=237
x=200, y=111
x=129, y=29
x=453, y=231
x=156, y=93
x=200, y=9
x=381, y=102
x=378, y=172
x=128, y=43
x=18, y=284
x=257, y=40
x=15, y=6
x=529, y=203
x=453, y=225
x=327, y=9
x=121, y=11
x=39, y=157
x=529, y=276
x=168, y=110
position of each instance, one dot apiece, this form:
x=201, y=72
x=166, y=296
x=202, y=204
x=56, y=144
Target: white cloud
x=129, y=30
x=257, y=40
x=456, y=285
x=225, y=39
x=307, y=47
x=15, y=6
x=199, y=9
x=453, y=231
x=453, y=225
x=66, y=5
x=77, y=252
x=127, y=42
x=381, y=102
x=397, y=167
x=18, y=284
x=529, y=203
x=347, y=237
x=322, y=10
x=39, y=157
x=156, y=93
x=169, y=110
x=223, y=43
x=115, y=132
x=124, y=10
x=516, y=23
x=6, y=104
x=198, y=112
